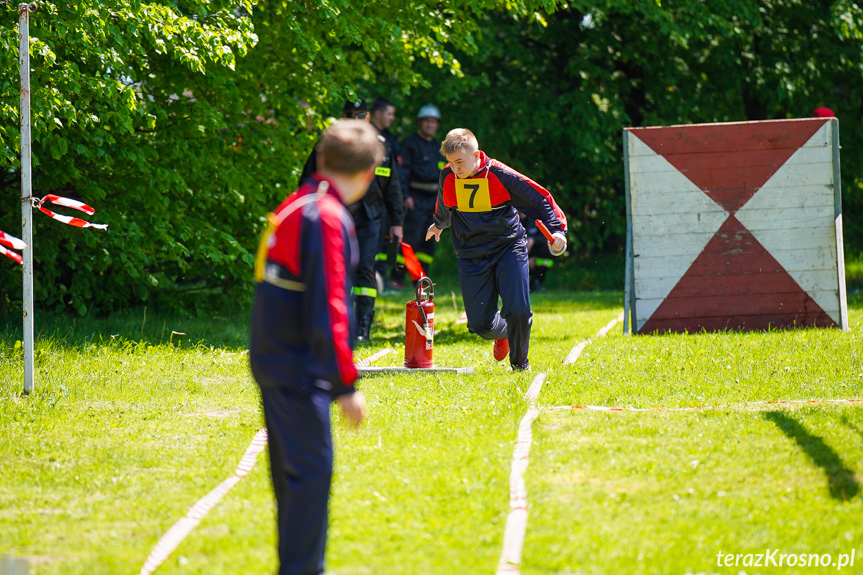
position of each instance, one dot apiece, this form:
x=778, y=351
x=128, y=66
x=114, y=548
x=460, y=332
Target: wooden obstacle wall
x=734, y=226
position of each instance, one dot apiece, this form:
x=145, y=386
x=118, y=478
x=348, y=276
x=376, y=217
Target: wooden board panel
x=799, y=260
x=734, y=136
x=735, y=322
x=798, y=197
x=816, y=280
x=653, y=164
x=799, y=202
x=671, y=245
x=735, y=304
x=803, y=218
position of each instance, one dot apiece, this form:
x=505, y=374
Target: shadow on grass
x=851, y=425
x=840, y=479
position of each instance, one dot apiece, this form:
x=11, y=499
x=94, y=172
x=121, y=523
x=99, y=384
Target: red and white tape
x=175, y=535
x=374, y=357
x=516, y=521
x=746, y=406
x=68, y=203
x=7, y=241
x=576, y=351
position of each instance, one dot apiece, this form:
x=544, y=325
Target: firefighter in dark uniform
x=422, y=162
x=301, y=336
x=384, y=194
x=480, y=199
x=382, y=117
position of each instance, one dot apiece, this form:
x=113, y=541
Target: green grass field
x=130, y=425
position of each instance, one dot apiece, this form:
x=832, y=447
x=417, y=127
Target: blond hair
x=459, y=139
x=350, y=146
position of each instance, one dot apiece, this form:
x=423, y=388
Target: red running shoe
x=501, y=349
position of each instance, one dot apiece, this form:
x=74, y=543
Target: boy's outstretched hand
x=558, y=246
x=434, y=232
x=353, y=408
x=556, y=240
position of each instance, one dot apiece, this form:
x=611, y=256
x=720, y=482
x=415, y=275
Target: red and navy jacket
x=483, y=209
x=303, y=326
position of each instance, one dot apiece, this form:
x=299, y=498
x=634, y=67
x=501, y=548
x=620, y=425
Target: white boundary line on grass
x=181, y=529
x=175, y=535
x=516, y=521
x=374, y=357
x=746, y=406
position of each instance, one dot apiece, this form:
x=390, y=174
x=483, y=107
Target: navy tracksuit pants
x=365, y=286
x=504, y=274
x=301, y=463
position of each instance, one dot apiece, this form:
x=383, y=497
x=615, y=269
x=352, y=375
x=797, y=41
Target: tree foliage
x=115, y=124
x=163, y=117
x=552, y=95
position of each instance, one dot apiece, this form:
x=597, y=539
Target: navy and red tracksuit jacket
x=483, y=209
x=303, y=325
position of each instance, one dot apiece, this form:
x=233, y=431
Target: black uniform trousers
x=417, y=222
x=504, y=274
x=365, y=287
x=301, y=463
x=382, y=257
x=541, y=261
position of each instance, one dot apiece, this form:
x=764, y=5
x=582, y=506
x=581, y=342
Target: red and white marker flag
x=75, y=205
x=13, y=243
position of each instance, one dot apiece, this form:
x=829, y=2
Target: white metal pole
x=26, y=191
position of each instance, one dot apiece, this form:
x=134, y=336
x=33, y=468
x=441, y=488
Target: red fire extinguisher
x=419, y=326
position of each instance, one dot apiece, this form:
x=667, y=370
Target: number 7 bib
x=472, y=195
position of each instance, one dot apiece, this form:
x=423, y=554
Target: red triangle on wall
x=730, y=165
x=735, y=284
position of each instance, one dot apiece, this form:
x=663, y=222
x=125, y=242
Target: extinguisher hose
x=424, y=280
x=425, y=319
x=419, y=292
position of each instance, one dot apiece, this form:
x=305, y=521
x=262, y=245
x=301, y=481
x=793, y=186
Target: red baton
x=545, y=231
x=550, y=239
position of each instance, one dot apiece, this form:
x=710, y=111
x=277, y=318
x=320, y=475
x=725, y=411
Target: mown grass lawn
x=123, y=435
x=666, y=491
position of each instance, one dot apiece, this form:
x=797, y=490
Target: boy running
x=480, y=199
